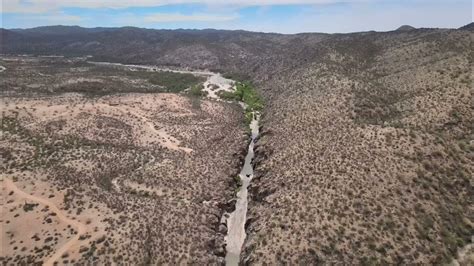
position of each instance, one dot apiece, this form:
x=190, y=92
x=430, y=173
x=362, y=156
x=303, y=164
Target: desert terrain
x=364, y=157
x=100, y=177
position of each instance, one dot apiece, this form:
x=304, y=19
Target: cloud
x=42, y=6
x=256, y=15
x=176, y=17
x=17, y=6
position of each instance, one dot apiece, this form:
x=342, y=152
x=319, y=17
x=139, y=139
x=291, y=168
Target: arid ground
x=365, y=154
x=128, y=177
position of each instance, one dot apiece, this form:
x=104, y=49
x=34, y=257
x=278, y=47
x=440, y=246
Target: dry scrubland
x=118, y=178
x=366, y=155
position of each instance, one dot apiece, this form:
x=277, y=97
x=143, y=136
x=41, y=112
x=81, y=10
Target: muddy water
x=236, y=221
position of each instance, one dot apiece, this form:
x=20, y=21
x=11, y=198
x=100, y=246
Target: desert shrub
x=238, y=180
x=228, y=95
x=171, y=81
x=197, y=90
x=29, y=206
x=246, y=93
x=236, y=76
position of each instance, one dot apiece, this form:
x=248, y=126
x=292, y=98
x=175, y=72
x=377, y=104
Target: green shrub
x=245, y=93
x=198, y=90
x=238, y=180
x=228, y=95
x=172, y=81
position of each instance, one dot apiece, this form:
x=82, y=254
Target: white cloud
x=176, y=17
x=16, y=6
x=356, y=15
x=42, y=6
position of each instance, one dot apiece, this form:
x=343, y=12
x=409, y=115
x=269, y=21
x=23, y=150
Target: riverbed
x=236, y=221
x=215, y=81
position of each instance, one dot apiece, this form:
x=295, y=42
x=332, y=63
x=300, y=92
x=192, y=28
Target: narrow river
x=236, y=221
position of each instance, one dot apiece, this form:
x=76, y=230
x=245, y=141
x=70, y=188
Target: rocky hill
x=366, y=153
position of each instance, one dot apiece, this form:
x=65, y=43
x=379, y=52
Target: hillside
x=366, y=154
x=227, y=51
x=367, y=149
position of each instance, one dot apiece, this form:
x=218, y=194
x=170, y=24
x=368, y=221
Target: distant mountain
x=216, y=49
x=60, y=30
x=223, y=50
x=469, y=27
x=405, y=28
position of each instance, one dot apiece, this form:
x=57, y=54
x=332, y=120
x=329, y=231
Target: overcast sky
x=285, y=16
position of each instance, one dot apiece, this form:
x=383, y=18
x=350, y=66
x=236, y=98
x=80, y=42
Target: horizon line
x=235, y=30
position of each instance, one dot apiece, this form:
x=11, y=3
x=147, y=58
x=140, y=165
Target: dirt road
x=81, y=228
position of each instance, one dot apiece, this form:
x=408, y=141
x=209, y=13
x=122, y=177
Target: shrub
x=197, y=90
x=238, y=180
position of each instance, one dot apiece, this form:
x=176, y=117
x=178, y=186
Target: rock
x=229, y=206
x=249, y=221
x=220, y=251
x=221, y=261
x=219, y=247
x=222, y=229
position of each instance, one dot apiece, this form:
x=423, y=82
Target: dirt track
x=81, y=228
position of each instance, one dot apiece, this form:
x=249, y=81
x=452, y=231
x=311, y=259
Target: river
x=236, y=221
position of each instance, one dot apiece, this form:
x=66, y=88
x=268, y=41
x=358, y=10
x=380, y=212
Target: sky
x=282, y=16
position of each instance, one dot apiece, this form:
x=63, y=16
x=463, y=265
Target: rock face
x=365, y=154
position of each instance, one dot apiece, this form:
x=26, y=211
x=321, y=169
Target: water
x=236, y=221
